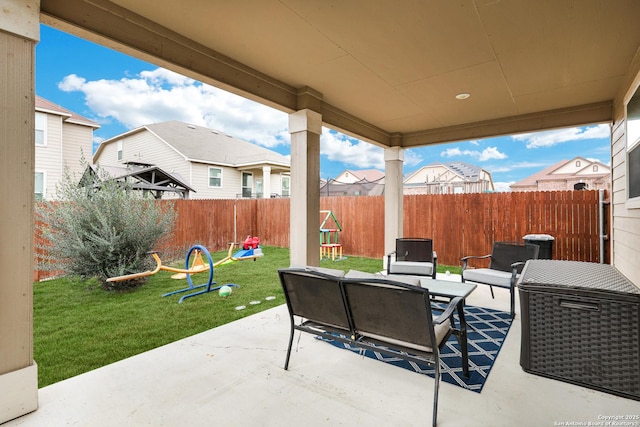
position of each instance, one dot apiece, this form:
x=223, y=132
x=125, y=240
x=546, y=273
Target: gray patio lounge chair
x=506, y=262
x=413, y=256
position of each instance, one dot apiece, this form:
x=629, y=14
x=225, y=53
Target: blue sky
x=122, y=93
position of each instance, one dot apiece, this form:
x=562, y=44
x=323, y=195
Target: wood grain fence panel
x=459, y=224
x=362, y=223
x=272, y=221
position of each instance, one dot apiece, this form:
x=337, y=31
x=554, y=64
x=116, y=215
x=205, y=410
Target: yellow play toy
x=198, y=265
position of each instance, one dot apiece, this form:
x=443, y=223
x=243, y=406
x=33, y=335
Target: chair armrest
x=389, y=261
x=515, y=265
x=448, y=311
x=467, y=258
x=514, y=272
x=435, y=264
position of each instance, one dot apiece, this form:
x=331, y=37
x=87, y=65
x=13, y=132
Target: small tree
x=102, y=228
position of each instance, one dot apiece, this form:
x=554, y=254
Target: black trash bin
x=544, y=242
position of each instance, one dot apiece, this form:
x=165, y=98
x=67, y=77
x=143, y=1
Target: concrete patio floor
x=233, y=376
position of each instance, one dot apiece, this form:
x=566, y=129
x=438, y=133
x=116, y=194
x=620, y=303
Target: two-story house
x=62, y=139
x=215, y=165
x=369, y=182
x=575, y=174
x=448, y=178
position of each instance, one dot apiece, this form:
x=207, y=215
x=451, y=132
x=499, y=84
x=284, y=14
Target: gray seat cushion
x=409, y=280
x=357, y=274
x=411, y=267
x=488, y=276
x=327, y=271
x=441, y=331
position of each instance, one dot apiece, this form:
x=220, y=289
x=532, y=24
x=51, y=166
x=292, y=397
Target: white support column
x=393, y=198
x=19, y=33
x=305, y=127
x=266, y=182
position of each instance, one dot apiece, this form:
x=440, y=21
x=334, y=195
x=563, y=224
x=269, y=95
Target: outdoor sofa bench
x=370, y=312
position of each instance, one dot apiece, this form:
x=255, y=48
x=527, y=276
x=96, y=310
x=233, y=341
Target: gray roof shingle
x=200, y=144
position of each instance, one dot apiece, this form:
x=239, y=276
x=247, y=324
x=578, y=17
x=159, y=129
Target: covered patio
x=398, y=75
x=233, y=376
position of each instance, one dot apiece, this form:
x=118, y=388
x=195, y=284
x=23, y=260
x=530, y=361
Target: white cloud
x=452, y=152
x=341, y=148
x=412, y=158
x=161, y=95
x=489, y=153
x=554, y=137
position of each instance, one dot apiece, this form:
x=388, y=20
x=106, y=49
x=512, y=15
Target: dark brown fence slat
x=459, y=224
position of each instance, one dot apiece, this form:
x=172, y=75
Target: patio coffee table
x=447, y=288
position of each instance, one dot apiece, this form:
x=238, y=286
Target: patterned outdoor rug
x=486, y=331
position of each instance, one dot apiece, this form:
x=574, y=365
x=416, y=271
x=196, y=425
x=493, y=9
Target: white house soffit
x=54, y=112
x=263, y=163
x=82, y=123
x=209, y=162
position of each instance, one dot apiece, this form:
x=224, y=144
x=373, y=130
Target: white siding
x=49, y=156
x=626, y=220
x=347, y=177
x=428, y=174
x=231, y=182
x=66, y=142
x=276, y=184
x=77, y=143
x=572, y=166
x=146, y=147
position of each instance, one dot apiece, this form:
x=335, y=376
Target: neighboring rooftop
x=203, y=145
x=566, y=170
x=367, y=174
x=46, y=106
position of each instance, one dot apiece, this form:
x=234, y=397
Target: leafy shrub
x=103, y=230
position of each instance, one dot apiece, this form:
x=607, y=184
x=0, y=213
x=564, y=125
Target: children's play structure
x=250, y=250
x=329, y=237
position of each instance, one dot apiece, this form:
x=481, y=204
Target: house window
x=41, y=129
x=247, y=184
x=286, y=183
x=633, y=150
x=39, y=186
x=595, y=168
x=120, y=150
x=577, y=163
x=215, y=177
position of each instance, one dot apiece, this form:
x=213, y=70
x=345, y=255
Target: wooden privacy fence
x=459, y=224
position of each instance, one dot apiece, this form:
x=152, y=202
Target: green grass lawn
x=79, y=327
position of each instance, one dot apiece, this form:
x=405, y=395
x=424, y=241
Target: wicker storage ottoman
x=581, y=324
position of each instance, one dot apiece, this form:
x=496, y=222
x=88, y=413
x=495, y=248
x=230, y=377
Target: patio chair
x=506, y=262
x=372, y=313
x=413, y=256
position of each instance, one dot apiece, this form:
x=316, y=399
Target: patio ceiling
x=386, y=71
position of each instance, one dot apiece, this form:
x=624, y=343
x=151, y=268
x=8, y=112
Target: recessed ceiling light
x=462, y=96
